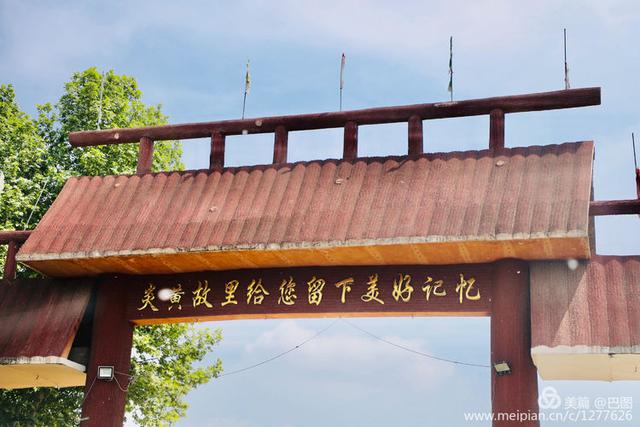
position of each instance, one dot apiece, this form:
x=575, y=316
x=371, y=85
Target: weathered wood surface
x=14, y=236
x=280, y=145
x=511, y=342
x=111, y=345
x=145, y=155
x=468, y=290
x=496, y=129
x=10, y=264
x=614, y=207
x=508, y=104
x=415, y=136
x=216, y=157
x=350, y=148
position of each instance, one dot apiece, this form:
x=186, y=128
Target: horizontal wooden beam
x=614, y=207
x=508, y=104
x=14, y=236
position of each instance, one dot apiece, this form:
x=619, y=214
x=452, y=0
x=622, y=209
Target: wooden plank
x=145, y=155
x=508, y=104
x=424, y=290
x=350, y=148
x=441, y=253
x=111, y=344
x=14, y=236
x=496, y=129
x=216, y=157
x=281, y=139
x=415, y=136
x=516, y=392
x=614, y=207
x=10, y=261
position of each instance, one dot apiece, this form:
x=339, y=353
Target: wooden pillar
x=111, y=343
x=145, y=155
x=216, y=156
x=511, y=343
x=350, y=150
x=280, y=143
x=496, y=129
x=10, y=262
x=415, y=136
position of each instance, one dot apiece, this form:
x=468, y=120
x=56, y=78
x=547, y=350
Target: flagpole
x=247, y=87
x=450, y=88
x=566, y=66
x=343, y=62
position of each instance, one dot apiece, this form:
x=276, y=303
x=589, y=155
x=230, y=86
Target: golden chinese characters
x=345, y=287
x=373, y=292
x=201, y=294
x=402, y=288
x=176, y=297
x=315, y=290
x=230, y=292
x=287, y=292
x=433, y=288
x=147, y=298
x=464, y=289
x=256, y=292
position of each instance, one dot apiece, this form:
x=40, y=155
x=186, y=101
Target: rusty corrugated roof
x=528, y=202
x=597, y=305
x=585, y=322
x=40, y=318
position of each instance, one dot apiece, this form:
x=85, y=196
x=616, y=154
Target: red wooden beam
x=415, y=136
x=111, y=342
x=145, y=155
x=614, y=207
x=280, y=145
x=508, y=104
x=496, y=129
x=516, y=392
x=216, y=156
x=350, y=147
x=10, y=262
x=14, y=236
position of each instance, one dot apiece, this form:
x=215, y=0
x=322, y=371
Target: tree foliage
x=36, y=160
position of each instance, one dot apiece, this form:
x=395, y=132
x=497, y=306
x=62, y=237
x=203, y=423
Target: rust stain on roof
x=529, y=202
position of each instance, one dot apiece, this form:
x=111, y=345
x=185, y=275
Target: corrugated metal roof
x=40, y=318
x=585, y=323
x=597, y=305
x=512, y=196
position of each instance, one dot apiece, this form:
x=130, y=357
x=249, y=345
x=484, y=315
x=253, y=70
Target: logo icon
x=549, y=398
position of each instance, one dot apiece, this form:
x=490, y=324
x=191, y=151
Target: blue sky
x=190, y=57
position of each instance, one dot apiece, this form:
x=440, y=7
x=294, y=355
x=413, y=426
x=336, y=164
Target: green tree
x=36, y=159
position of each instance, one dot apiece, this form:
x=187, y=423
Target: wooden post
x=511, y=343
x=280, y=145
x=415, y=136
x=350, y=150
x=145, y=155
x=111, y=343
x=216, y=157
x=496, y=129
x=10, y=262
